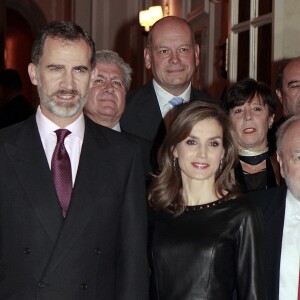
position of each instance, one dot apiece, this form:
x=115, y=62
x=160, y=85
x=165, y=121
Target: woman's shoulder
x=244, y=211
x=244, y=204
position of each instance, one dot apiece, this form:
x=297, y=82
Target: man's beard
x=62, y=110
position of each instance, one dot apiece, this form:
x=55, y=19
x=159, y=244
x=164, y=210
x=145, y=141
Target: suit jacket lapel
x=152, y=119
x=30, y=163
x=274, y=221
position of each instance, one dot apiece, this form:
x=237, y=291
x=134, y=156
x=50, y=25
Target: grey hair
x=111, y=57
x=282, y=131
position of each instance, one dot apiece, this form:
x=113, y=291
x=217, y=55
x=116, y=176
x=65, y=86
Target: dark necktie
x=61, y=171
x=176, y=101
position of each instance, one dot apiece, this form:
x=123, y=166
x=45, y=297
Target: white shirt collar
x=117, y=127
x=292, y=205
x=46, y=126
x=164, y=97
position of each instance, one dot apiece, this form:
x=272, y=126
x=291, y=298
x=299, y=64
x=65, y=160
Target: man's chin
x=66, y=111
x=178, y=82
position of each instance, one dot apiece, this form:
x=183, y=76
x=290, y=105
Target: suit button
x=97, y=251
x=27, y=251
x=84, y=286
x=41, y=284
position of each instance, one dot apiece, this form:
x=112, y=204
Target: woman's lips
x=249, y=130
x=200, y=165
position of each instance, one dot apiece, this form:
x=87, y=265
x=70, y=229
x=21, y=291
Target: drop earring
x=174, y=162
x=221, y=165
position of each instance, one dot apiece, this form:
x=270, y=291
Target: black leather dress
x=207, y=253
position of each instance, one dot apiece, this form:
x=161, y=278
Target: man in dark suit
x=106, y=101
x=173, y=55
x=91, y=245
x=288, y=93
x=281, y=209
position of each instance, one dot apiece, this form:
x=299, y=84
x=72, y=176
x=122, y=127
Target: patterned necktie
x=61, y=171
x=176, y=101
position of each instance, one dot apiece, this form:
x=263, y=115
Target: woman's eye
x=214, y=143
x=191, y=142
x=257, y=108
x=237, y=111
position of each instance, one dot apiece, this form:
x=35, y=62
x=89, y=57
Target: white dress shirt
x=164, y=97
x=290, y=251
x=117, y=127
x=73, y=142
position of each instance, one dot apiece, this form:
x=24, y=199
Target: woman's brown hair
x=166, y=187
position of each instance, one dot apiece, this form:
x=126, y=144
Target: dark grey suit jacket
x=272, y=202
x=99, y=251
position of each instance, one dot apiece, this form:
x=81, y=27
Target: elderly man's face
x=289, y=159
x=106, y=101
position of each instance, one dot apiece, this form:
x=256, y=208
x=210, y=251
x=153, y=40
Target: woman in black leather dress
x=251, y=108
x=205, y=239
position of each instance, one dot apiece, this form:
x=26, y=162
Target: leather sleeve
x=250, y=284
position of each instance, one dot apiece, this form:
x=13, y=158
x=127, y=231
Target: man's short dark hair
x=64, y=30
x=279, y=79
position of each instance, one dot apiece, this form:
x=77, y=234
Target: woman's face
x=199, y=154
x=251, y=122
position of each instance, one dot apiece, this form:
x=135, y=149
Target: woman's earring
x=221, y=165
x=174, y=162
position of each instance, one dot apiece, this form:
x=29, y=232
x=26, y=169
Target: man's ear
x=147, y=58
x=271, y=121
x=279, y=159
x=279, y=95
x=32, y=71
x=94, y=75
x=197, y=54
